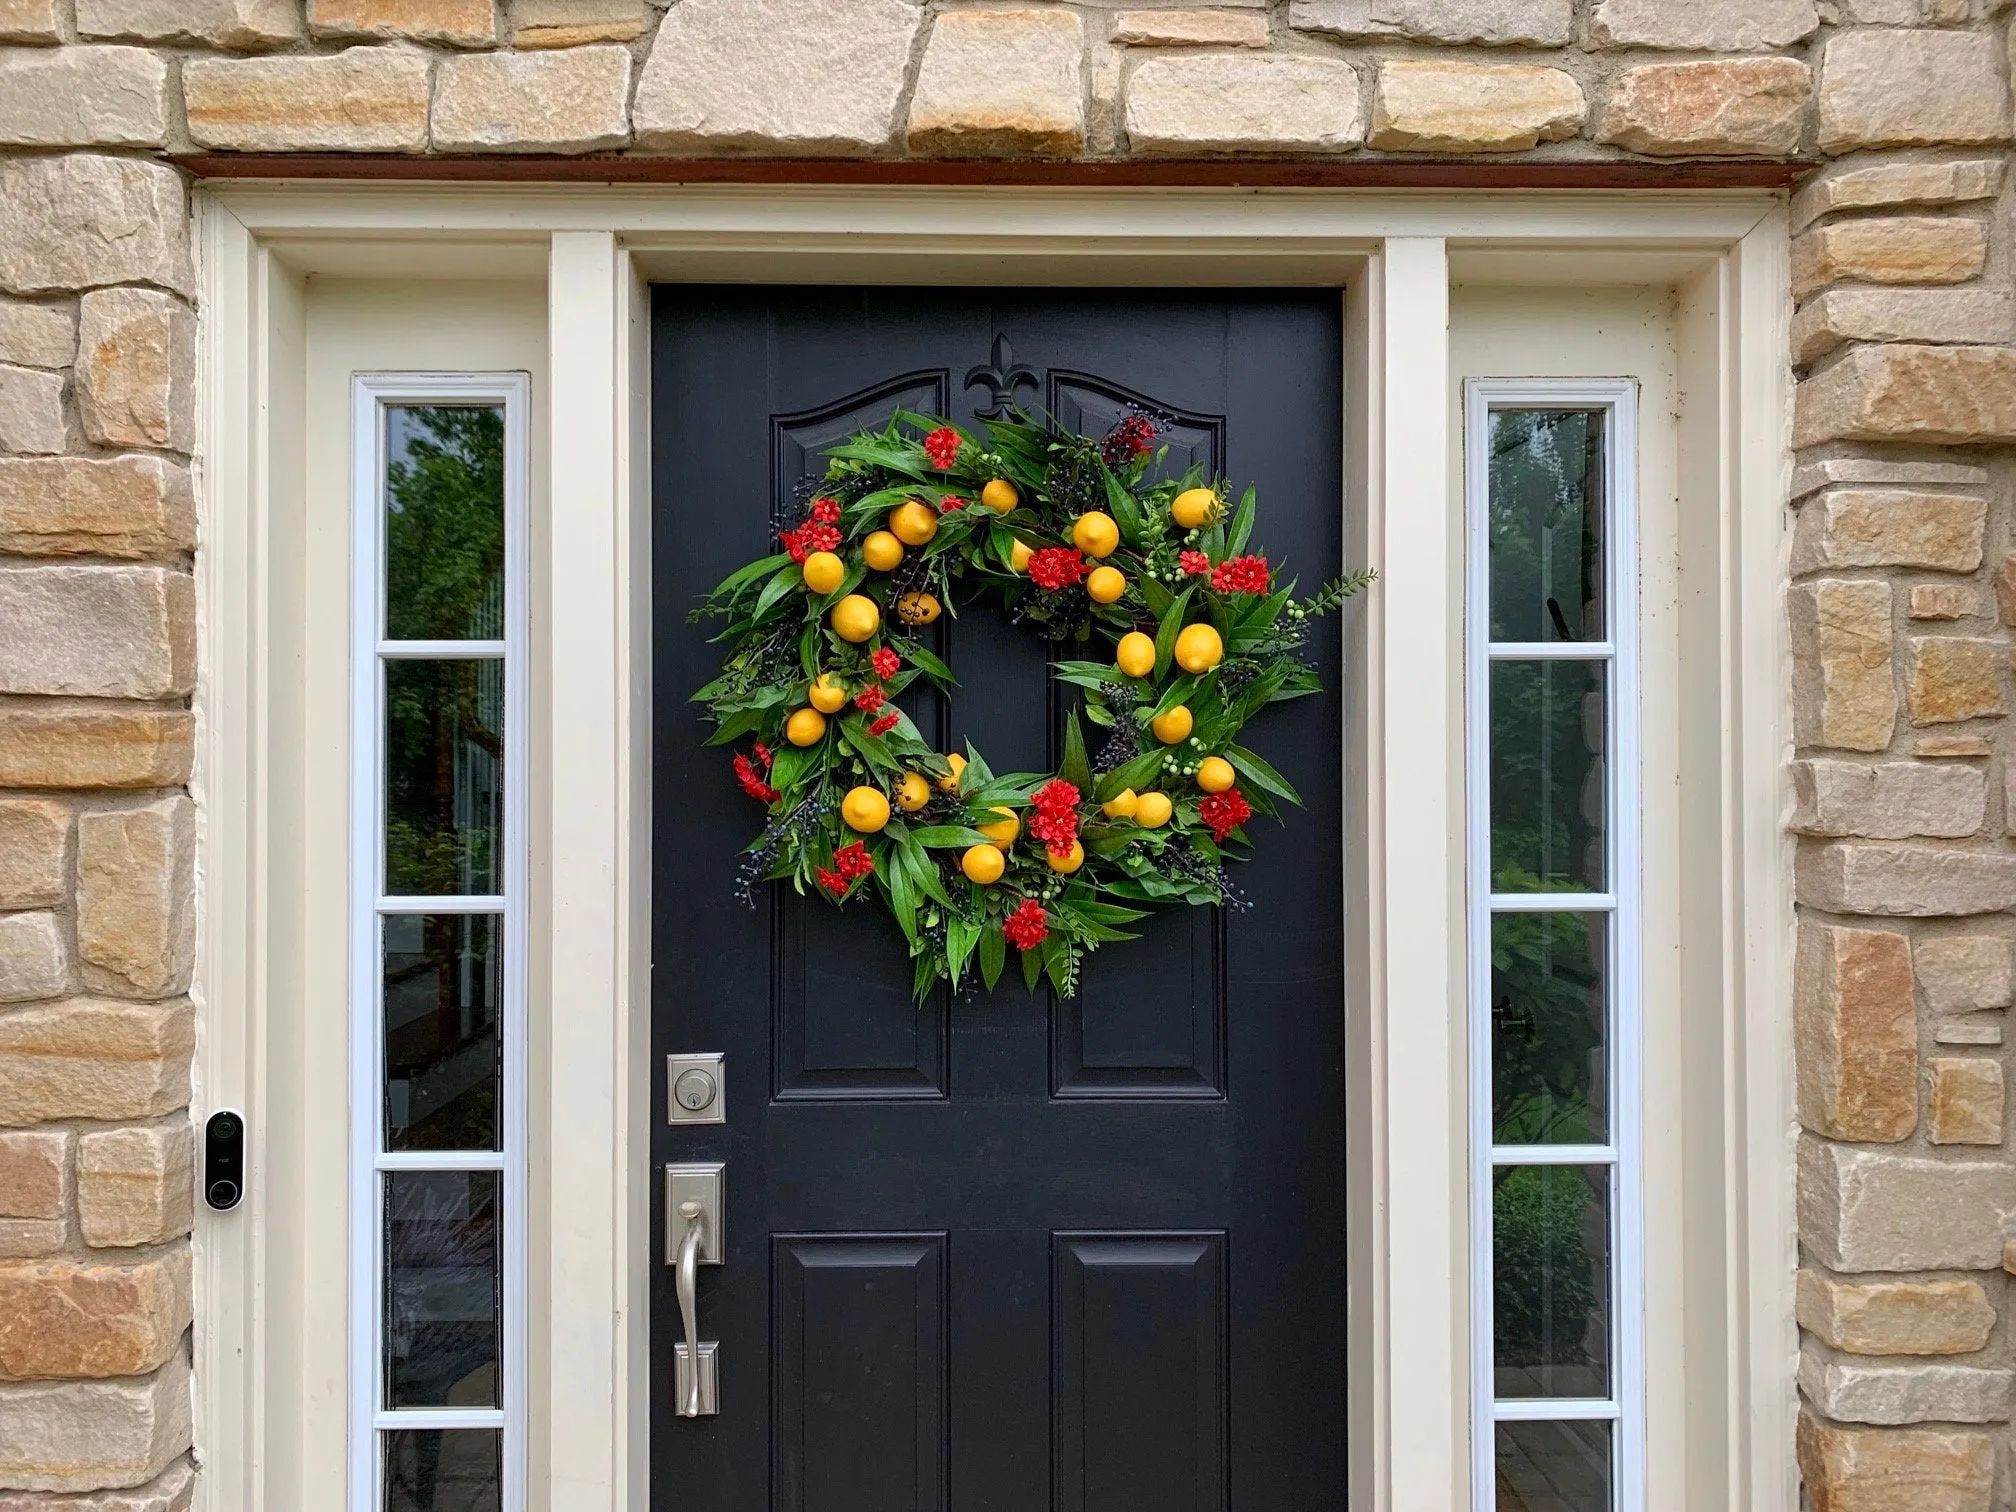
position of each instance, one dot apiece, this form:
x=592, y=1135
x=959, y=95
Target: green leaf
x=791, y=764
x=1262, y=775
x=960, y=938
x=945, y=836
x=1242, y=525
x=1170, y=627
x=1155, y=595
x=1032, y=968
x=1077, y=766
x=993, y=955
x=1142, y=769
x=743, y=576
x=788, y=576
x=925, y=662
x=977, y=772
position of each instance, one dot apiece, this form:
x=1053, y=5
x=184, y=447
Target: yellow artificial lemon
x=824, y=571
x=865, y=809
x=805, y=727
x=1095, y=534
x=828, y=697
x=1174, y=726
x=913, y=524
x=1199, y=648
x=1152, y=810
x=1135, y=655
x=1102, y=587
x=1018, y=556
x=999, y=495
x=983, y=864
x=1215, y=774
x=1193, y=507
x=1121, y=805
x=1069, y=862
x=918, y=608
x=912, y=792
x=881, y=551
x=855, y=618
x=1003, y=830
x=958, y=764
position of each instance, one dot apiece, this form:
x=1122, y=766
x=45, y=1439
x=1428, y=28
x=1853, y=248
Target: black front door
x=1003, y=1253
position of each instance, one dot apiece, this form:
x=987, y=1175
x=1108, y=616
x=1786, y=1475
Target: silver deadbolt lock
x=694, y=1082
x=694, y=1090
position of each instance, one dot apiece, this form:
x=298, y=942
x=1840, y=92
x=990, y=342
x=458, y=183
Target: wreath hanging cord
x=1178, y=635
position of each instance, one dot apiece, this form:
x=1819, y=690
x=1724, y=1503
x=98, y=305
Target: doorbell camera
x=224, y=1160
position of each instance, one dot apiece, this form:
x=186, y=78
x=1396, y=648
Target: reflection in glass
x=443, y=987
x=444, y=522
x=441, y=1288
x=1548, y=1079
x=1546, y=520
x=444, y=777
x=1550, y=1290
x=457, y=1470
x=1554, y=1467
x=1547, y=780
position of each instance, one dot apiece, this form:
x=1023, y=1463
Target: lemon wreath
x=1179, y=633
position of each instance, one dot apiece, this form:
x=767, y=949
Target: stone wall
x=1902, y=602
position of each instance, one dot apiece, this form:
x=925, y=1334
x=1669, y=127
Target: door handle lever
x=688, y=1280
x=693, y=1213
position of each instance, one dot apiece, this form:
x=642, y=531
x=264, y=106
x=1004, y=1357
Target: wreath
x=1177, y=632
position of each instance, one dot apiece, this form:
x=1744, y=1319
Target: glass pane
x=429, y=1470
x=1553, y=1467
x=1546, y=518
x=443, y=987
x=1549, y=1083
x=441, y=1288
x=444, y=522
x=1547, y=783
x=1550, y=1257
x=444, y=776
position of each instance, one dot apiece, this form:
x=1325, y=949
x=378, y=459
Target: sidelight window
x=438, y=944
x=1553, y=918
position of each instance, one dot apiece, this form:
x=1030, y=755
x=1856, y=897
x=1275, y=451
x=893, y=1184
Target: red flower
x=885, y=662
x=886, y=723
x=1057, y=567
x=1245, y=574
x=813, y=535
x=1056, y=797
x=1131, y=438
x=763, y=755
x=833, y=882
x=826, y=511
x=942, y=447
x=1055, y=821
x=754, y=786
x=870, y=698
x=1225, y=812
x=853, y=861
x=1027, y=927
x=1193, y=563
x=950, y=503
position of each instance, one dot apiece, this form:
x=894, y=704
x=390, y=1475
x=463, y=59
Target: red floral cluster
x=886, y=723
x=942, y=447
x=753, y=785
x=950, y=504
x=1027, y=927
x=1057, y=567
x=885, y=662
x=870, y=698
x=1243, y=574
x=850, y=863
x=1131, y=438
x=820, y=532
x=1193, y=563
x=1225, y=812
x=1055, y=821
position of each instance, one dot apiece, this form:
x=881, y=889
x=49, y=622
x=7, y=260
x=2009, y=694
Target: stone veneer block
x=1856, y=188
x=1851, y=1392
x=1707, y=25
x=92, y=748
x=1953, y=679
x=1892, y=800
x=1863, y=1209
x=1895, y=1317
x=83, y=97
x=36, y=335
x=34, y=958
x=34, y=852
x=171, y=1491
x=1967, y=1031
x=1889, y=527
x=1890, y=250
x=1951, y=747
x=94, y=1058
x=365, y=99
x=1964, y=1105
x=818, y=78
x=72, y=1320
x=136, y=369
x=1937, y=395
x=1492, y=23
x=571, y=23
x=97, y=632
x=239, y=25
x=1908, y=1470
x=572, y=100
x=136, y=1186
x=1190, y=28
x=1180, y=107
x=1904, y=881
x=1727, y=107
x=79, y=220
x=136, y=920
x=34, y=1174
x=1824, y=472
x=133, y=507
x=1946, y=317
x=1472, y=107
x=29, y=21
x=93, y=1435
x=1855, y=1031
x=1001, y=83
x=467, y=23
x=31, y=411
x=1843, y=692
x=1882, y=88
x=1964, y=973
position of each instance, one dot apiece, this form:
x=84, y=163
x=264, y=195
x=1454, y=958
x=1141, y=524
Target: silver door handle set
x=694, y=1213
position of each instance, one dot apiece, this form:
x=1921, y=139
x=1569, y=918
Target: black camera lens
x=223, y=1194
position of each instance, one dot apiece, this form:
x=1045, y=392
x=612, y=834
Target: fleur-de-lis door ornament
x=1001, y=377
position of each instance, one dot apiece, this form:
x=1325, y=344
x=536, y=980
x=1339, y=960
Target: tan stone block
x=70, y=1320
x=1954, y=679
x=34, y=958
x=1904, y=881
x=34, y=852
x=34, y=1174
x=570, y=23
x=241, y=25
x=31, y=411
x=42, y=747
x=83, y=97
x=91, y=1435
x=171, y=1491
x=1856, y=1033
x=1852, y=187
x=94, y=1058
x=1724, y=106
x=97, y=632
x=1709, y=25
x=1852, y=1392
x=37, y=335
x=1869, y=1209
x=29, y=21
x=1895, y=1317
x=820, y=78
x=1964, y=973
x=2005, y=591
x=1190, y=28
x=136, y=924
x=30, y=1239
x=1890, y=527
x=367, y=99
x=136, y=1186
x=1943, y=601
x=1492, y=23
x=1826, y=471
x=1902, y=249
x=77, y=220
x=132, y=507
x=1946, y=747
x=569, y=100
x=1958, y=317
x=468, y=23
x=1912, y=89
x=136, y=369
x=1940, y=395
x=1001, y=83
x=1964, y=1104
x=1266, y=103
x=1843, y=692
x=1912, y=1470
x=1472, y=107
x=1967, y=1031
x=1892, y=800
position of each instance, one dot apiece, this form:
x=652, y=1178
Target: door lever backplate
x=701, y=1182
